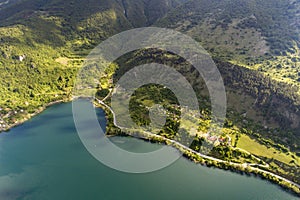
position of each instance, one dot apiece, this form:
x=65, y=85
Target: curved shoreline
x=245, y=167
x=38, y=111
x=186, y=151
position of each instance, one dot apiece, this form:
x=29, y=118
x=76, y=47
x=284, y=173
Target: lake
x=45, y=159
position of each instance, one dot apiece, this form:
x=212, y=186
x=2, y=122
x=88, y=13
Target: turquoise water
x=44, y=159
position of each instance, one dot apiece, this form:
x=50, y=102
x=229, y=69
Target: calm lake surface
x=44, y=159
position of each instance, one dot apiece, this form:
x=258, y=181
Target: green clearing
x=252, y=146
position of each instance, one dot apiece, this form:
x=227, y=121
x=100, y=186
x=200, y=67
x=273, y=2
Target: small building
x=22, y=57
x=212, y=138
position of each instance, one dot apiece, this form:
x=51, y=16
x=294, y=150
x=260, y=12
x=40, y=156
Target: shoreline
x=188, y=153
x=37, y=112
x=208, y=161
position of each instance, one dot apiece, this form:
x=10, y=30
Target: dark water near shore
x=44, y=159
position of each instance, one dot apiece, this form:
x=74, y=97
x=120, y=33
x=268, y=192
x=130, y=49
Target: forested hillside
x=259, y=42
x=43, y=42
x=258, y=34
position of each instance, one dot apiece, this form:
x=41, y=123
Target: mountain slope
x=262, y=36
x=277, y=21
x=43, y=43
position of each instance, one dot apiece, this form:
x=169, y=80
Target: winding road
x=175, y=143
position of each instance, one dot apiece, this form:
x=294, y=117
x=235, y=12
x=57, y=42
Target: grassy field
x=250, y=145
